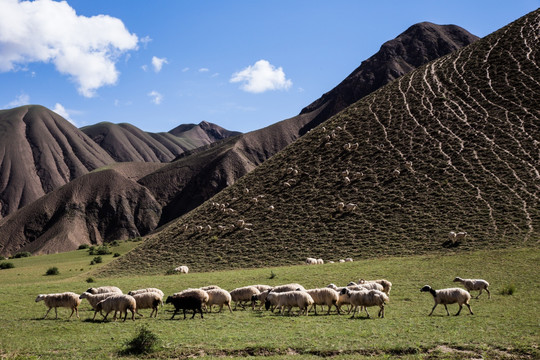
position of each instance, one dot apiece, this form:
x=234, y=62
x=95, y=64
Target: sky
x=241, y=64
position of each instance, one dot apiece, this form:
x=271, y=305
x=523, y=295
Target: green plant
x=116, y=255
x=143, y=343
x=97, y=260
x=90, y=280
x=508, y=289
x=22, y=254
x=83, y=246
x=272, y=275
x=114, y=243
x=52, y=271
x=99, y=250
x=6, y=265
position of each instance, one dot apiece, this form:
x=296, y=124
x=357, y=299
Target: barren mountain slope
x=452, y=146
x=102, y=205
x=125, y=142
x=185, y=188
x=40, y=151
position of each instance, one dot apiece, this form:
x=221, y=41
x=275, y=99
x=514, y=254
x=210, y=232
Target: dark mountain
x=125, y=142
x=451, y=146
x=39, y=152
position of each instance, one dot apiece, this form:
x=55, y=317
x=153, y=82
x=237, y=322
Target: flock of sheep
x=357, y=295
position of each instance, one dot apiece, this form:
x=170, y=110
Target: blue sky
x=241, y=64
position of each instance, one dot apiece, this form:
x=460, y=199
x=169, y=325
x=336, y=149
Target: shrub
x=22, y=254
x=143, y=343
x=115, y=243
x=90, y=280
x=52, y=271
x=116, y=255
x=100, y=250
x=508, y=290
x=6, y=265
x=2, y=258
x=83, y=246
x=96, y=260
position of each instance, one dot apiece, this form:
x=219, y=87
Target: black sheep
x=186, y=302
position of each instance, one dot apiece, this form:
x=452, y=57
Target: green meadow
x=505, y=326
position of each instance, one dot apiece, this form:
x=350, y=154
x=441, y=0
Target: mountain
x=451, y=146
x=39, y=152
x=189, y=182
x=125, y=142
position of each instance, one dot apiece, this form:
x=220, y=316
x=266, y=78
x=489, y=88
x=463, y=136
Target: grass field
x=505, y=326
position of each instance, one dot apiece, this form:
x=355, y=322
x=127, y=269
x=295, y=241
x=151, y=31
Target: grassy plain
x=504, y=326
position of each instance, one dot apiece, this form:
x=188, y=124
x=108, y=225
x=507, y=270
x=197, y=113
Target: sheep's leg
x=47, y=313
x=354, y=312
x=447, y=313
x=56, y=312
x=469, y=306
x=72, y=311
x=489, y=294
x=381, y=312
x=460, y=307
x=184, y=314
x=175, y=311
x=434, y=306
x=77, y=312
x=365, y=308
x=479, y=293
x=107, y=314
x=229, y=305
x=95, y=313
x=200, y=310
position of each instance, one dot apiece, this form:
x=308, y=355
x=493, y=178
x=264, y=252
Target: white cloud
x=204, y=70
x=185, y=69
x=61, y=110
x=157, y=63
x=261, y=77
x=22, y=99
x=145, y=40
x=157, y=98
x=215, y=75
x=145, y=68
x=84, y=48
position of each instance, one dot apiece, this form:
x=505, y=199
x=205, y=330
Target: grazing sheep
x=474, y=284
x=182, y=269
x=365, y=299
x=209, y=287
x=340, y=206
x=218, y=297
x=311, y=261
x=348, y=260
x=324, y=296
x=449, y=296
x=288, y=287
x=346, y=180
x=461, y=235
x=117, y=303
x=188, y=300
x=320, y=261
x=289, y=299
x=140, y=291
x=198, y=228
x=104, y=289
x=68, y=300
x=351, y=207
x=259, y=297
x=242, y=295
x=341, y=260
x=261, y=288
x=330, y=262
x=387, y=285
x=148, y=300
x=94, y=299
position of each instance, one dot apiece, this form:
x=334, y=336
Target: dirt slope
x=39, y=152
x=452, y=146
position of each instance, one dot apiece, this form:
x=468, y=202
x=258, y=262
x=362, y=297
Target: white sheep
x=148, y=300
x=218, y=297
x=289, y=299
x=140, y=291
x=104, y=289
x=209, y=287
x=340, y=206
x=94, y=299
x=242, y=295
x=452, y=236
x=246, y=191
x=387, y=285
x=474, y=284
x=182, y=269
x=328, y=144
x=271, y=208
x=351, y=207
x=324, y=296
x=259, y=297
x=320, y=261
x=348, y=260
x=370, y=286
x=117, y=303
x=346, y=180
x=311, y=261
x=288, y=287
x=365, y=299
x=199, y=293
x=461, y=235
x=448, y=296
x=341, y=260
x=261, y=287
x=68, y=300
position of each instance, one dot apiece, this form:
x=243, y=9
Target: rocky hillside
x=452, y=146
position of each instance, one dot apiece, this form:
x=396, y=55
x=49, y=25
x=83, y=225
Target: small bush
x=116, y=255
x=52, y=271
x=90, y=280
x=508, y=290
x=22, y=254
x=6, y=265
x=143, y=343
x=272, y=275
x=100, y=250
x=98, y=260
x=83, y=246
x=115, y=243
x=2, y=258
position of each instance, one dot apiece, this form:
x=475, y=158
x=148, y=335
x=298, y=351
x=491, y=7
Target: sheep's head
x=130, y=293
x=345, y=291
x=40, y=297
x=84, y=295
x=332, y=286
x=91, y=290
x=267, y=304
x=458, y=279
x=425, y=288
x=352, y=283
x=169, y=300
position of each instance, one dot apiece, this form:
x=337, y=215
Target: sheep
x=289, y=299
x=461, y=235
x=209, y=287
x=148, y=300
x=387, y=285
x=187, y=300
x=320, y=261
x=324, y=296
x=347, y=147
x=351, y=207
x=340, y=206
x=182, y=269
x=259, y=297
x=242, y=295
x=346, y=180
x=311, y=261
x=246, y=191
x=288, y=287
x=286, y=184
x=119, y=302
x=94, y=299
x=68, y=300
x=330, y=262
x=198, y=228
x=396, y=173
x=345, y=173
x=219, y=297
x=140, y=291
x=358, y=175
x=241, y=223
x=365, y=299
x=262, y=288
x=449, y=296
x=348, y=260
x=474, y=284
x=104, y=289
x=271, y=208
x=328, y=144
x=222, y=228
x=341, y=260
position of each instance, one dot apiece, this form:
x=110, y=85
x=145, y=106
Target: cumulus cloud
x=84, y=48
x=157, y=63
x=61, y=110
x=22, y=99
x=261, y=77
x=157, y=98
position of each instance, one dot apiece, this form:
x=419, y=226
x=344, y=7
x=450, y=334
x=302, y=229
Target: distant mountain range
x=454, y=145
x=208, y=158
